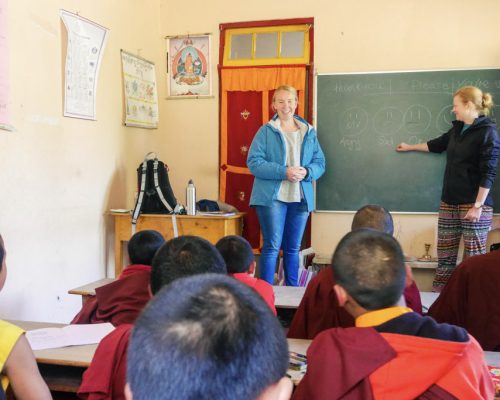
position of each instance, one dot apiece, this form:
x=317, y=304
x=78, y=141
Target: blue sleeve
x=262, y=157
x=316, y=167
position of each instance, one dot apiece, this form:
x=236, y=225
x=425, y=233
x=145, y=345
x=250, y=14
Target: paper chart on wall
x=140, y=91
x=85, y=48
x=4, y=70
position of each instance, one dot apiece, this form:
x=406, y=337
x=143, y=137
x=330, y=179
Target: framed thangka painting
x=188, y=66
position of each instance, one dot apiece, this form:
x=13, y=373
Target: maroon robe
x=106, y=376
x=471, y=299
x=320, y=310
x=370, y=363
x=118, y=302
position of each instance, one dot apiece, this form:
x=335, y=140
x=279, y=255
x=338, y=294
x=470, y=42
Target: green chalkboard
x=362, y=117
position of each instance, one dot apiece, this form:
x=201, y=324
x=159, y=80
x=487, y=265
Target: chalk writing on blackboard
x=362, y=117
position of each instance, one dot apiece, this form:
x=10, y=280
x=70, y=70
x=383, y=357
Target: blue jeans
x=282, y=225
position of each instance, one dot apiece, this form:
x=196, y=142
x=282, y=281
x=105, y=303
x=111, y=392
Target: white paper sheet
x=70, y=335
x=85, y=47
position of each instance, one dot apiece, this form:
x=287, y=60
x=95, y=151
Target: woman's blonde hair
x=286, y=88
x=483, y=102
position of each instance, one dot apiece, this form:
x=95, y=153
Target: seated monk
x=319, y=308
x=240, y=264
x=183, y=256
x=470, y=299
x=392, y=352
x=121, y=301
x=208, y=337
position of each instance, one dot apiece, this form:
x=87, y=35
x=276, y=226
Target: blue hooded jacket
x=266, y=161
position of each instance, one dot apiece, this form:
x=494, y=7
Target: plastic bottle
x=191, y=198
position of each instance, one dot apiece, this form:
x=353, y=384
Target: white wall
x=60, y=175
x=364, y=35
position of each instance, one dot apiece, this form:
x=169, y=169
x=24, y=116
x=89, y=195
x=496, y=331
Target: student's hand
x=473, y=214
x=403, y=147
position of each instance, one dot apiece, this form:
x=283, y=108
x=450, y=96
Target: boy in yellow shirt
x=17, y=361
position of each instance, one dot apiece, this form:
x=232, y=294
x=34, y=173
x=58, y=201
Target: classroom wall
x=366, y=35
x=60, y=175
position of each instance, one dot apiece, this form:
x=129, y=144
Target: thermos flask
x=191, y=198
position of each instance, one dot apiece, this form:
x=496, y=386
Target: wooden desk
x=211, y=228
x=61, y=368
x=427, y=299
x=298, y=346
x=285, y=296
x=423, y=274
x=288, y=296
x=88, y=291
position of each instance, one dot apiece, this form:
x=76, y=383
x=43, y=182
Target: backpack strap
x=162, y=198
x=140, y=197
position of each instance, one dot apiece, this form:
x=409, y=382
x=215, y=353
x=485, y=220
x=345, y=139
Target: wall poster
x=139, y=85
x=85, y=47
x=188, y=66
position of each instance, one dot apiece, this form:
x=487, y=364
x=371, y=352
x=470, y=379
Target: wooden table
x=285, y=296
x=88, y=291
x=427, y=299
x=61, y=368
x=211, y=228
x=288, y=296
x=423, y=273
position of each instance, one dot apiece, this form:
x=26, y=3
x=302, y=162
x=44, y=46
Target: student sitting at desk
x=319, y=308
x=207, y=337
x=179, y=257
x=121, y=301
x=240, y=263
x=17, y=361
x=470, y=299
x=392, y=353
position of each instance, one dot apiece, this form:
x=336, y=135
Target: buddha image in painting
x=189, y=65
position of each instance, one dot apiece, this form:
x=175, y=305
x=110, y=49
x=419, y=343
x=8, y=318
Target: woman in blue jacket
x=285, y=158
x=472, y=147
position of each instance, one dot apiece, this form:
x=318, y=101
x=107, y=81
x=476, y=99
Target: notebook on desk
x=495, y=374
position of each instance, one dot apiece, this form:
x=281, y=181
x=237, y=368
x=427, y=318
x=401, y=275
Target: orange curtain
x=259, y=79
x=245, y=106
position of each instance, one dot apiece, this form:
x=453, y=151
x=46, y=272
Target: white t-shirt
x=291, y=192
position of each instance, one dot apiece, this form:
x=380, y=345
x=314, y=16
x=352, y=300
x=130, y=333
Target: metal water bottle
x=191, y=198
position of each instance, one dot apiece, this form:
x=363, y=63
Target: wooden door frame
x=274, y=22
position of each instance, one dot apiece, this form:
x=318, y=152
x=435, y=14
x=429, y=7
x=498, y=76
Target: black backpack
x=155, y=194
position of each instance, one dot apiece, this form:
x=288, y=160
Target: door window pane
x=266, y=45
x=292, y=44
x=241, y=46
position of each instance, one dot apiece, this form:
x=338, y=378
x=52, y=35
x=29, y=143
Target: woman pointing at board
x=472, y=147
